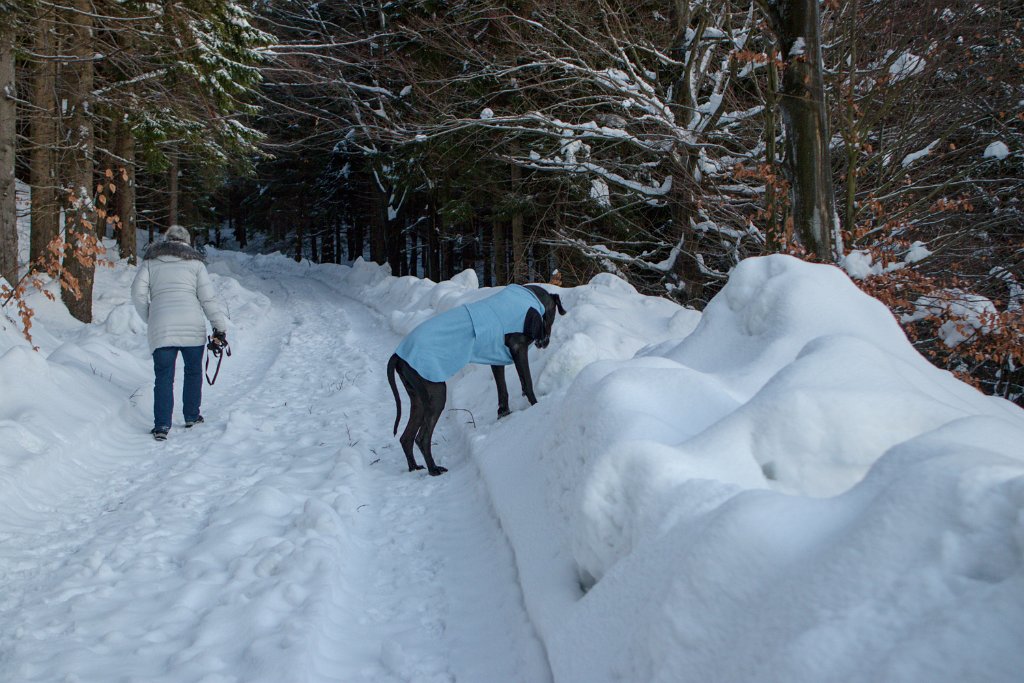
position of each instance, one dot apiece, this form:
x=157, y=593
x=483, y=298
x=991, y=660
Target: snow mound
x=790, y=492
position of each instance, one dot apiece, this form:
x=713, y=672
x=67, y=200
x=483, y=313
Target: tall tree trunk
x=469, y=242
x=8, y=208
x=234, y=203
x=378, y=222
x=777, y=236
x=45, y=218
x=853, y=141
x=519, y=265
x=172, y=191
x=434, y=241
x=337, y=242
x=413, y=239
x=685, y=20
x=186, y=209
x=448, y=259
x=394, y=242
x=796, y=25
x=487, y=247
x=500, y=254
x=124, y=179
x=81, y=216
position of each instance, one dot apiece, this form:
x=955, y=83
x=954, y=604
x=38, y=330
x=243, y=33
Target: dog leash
x=217, y=348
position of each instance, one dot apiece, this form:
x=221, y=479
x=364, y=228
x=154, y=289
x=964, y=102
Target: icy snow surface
x=780, y=489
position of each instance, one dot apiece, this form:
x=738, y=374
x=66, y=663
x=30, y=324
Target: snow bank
x=789, y=492
x=708, y=493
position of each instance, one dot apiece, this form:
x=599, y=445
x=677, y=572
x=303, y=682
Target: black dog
x=445, y=343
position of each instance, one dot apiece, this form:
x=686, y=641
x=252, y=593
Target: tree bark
x=172, y=191
x=378, y=222
x=433, y=250
x=81, y=214
x=45, y=218
x=240, y=232
x=796, y=24
x=500, y=254
x=487, y=247
x=8, y=208
x=519, y=265
x=412, y=255
x=124, y=179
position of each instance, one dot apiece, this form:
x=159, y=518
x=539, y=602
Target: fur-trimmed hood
x=182, y=250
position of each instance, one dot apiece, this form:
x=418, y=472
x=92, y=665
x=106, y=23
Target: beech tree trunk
x=8, y=209
x=45, y=219
x=796, y=24
x=81, y=214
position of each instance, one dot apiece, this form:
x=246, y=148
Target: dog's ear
x=558, y=304
x=533, y=326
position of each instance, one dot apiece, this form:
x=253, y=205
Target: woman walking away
x=172, y=293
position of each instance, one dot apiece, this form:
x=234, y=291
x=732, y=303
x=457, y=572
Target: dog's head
x=538, y=327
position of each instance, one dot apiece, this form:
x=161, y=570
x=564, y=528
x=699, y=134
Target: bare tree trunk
x=172, y=191
x=394, y=242
x=500, y=254
x=340, y=230
x=776, y=234
x=124, y=178
x=413, y=239
x=853, y=143
x=378, y=223
x=45, y=218
x=8, y=209
x=433, y=250
x=81, y=216
x=519, y=266
x=448, y=264
x=487, y=246
x=796, y=24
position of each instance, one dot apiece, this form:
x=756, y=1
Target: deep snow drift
x=780, y=489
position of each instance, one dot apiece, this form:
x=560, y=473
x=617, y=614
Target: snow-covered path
x=280, y=541
x=779, y=488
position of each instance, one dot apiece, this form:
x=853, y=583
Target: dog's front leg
x=499, y=382
x=522, y=361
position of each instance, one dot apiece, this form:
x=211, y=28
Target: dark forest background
x=540, y=141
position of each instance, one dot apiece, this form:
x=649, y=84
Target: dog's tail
x=392, y=363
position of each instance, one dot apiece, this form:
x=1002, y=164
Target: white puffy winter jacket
x=172, y=292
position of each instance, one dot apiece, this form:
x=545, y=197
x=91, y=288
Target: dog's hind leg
x=413, y=384
x=415, y=424
x=436, y=397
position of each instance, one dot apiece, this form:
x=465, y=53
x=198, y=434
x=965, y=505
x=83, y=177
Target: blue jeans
x=163, y=389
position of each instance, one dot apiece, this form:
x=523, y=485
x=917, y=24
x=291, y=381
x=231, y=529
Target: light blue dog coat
x=472, y=333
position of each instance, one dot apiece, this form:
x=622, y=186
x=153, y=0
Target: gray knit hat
x=177, y=233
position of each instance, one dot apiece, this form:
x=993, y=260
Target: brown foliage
x=84, y=247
